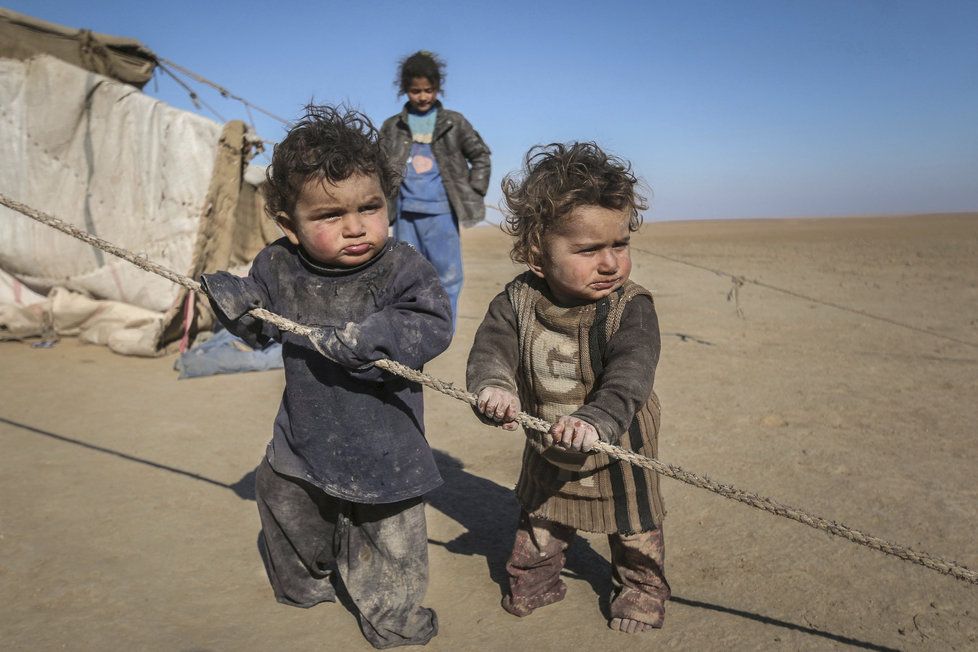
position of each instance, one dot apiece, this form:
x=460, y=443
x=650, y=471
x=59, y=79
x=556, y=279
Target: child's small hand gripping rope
x=938, y=564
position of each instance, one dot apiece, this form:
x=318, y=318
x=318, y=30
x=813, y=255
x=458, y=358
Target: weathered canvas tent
x=93, y=150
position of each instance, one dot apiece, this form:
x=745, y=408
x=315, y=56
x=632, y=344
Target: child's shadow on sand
x=489, y=512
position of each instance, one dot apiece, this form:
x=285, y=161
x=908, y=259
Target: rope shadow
x=241, y=488
x=767, y=620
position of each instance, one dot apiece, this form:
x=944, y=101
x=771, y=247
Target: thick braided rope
x=938, y=564
x=727, y=491
x=139, y=260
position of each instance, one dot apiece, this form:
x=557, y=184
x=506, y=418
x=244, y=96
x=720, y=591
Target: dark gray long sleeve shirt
x=344, y=425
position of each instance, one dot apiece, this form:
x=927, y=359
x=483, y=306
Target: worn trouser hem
x=302, y=605
x=522, y=606
x=418, y=640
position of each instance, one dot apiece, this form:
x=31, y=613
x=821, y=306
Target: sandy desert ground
x=847, y=387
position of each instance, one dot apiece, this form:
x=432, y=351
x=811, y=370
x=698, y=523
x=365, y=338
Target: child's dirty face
x=586, y=258
x=422, y=94
x=341, y=224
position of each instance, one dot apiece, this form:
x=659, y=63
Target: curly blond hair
x=557, y=178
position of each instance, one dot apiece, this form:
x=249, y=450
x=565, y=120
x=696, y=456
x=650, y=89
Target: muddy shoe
x=525, y=606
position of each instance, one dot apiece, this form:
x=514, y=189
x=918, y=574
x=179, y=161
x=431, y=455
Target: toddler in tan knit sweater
x=575, y=342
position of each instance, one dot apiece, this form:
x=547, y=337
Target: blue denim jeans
x=436, y=238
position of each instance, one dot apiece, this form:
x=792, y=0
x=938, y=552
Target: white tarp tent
x=155, y=180
x=111, y=160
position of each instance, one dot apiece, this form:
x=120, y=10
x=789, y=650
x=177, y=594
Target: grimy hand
x=499, y=406
x=574, y=434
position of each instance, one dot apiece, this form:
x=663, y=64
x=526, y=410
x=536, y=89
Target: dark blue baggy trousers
x=379, y=551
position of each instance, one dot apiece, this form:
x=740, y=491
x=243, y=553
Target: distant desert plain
x=830, y=364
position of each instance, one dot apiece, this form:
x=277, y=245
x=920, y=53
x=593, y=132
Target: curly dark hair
x=557, y=178
x=331, y=143
x=420, y=64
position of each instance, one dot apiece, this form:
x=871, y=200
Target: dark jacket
x=350, y=428
x=462, y=156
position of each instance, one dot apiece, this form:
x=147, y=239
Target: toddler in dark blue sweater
x=341, y=484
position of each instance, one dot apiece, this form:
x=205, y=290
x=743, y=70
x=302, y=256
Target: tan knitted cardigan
x=560, y=362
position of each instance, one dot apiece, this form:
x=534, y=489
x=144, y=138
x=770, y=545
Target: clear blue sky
x=765, y=108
